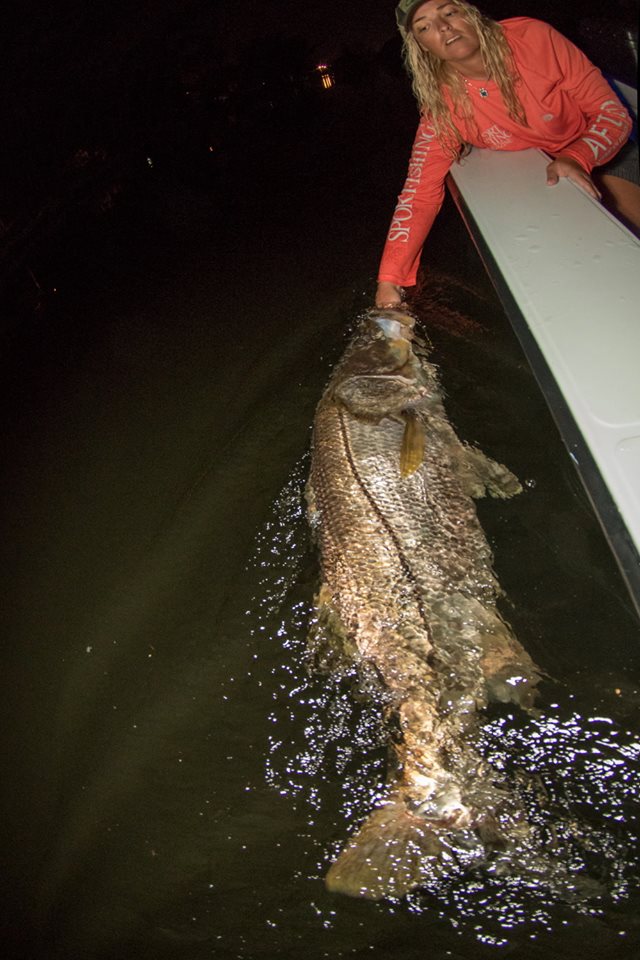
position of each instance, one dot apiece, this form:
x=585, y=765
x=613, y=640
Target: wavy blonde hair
x=429, y=75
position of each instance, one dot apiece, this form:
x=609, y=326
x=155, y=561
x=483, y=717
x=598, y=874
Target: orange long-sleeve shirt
x=570, y=109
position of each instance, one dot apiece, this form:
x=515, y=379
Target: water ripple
x=578, y=774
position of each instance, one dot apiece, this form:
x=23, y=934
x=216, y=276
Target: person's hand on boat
x=571, y=169
x=388, y=294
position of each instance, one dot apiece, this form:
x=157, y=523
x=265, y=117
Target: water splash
x=580, y=779
x=322, y=729
x=578, y=774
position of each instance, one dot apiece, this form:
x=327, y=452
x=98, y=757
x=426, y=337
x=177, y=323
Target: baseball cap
x=404, y=11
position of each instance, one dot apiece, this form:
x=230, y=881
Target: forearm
x=416, y=209
x=403, y=247
x=607, y=132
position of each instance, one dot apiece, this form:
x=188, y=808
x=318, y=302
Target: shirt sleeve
x=608, y=124
x=416, y=209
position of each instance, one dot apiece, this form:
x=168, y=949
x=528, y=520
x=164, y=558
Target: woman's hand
x=567, y=167
x=388, y=294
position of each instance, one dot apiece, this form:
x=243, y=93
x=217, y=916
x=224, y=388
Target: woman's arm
x=417, y=207
x=608, y=124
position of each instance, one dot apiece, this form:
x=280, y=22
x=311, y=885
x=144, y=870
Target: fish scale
x=408, y=589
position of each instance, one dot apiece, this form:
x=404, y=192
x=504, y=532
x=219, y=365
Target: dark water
x=174, y=781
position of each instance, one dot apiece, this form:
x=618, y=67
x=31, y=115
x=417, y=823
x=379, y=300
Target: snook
x=408, y=593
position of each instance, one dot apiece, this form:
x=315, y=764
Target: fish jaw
x=394, y=324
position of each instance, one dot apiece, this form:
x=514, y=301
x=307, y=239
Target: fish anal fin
x=413, y=441
x=391, y=854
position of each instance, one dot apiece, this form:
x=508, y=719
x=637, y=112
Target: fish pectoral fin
x=392, y=853
x=413, y=442
x=485, y=475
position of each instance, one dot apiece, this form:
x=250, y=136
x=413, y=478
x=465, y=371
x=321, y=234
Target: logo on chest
x=496, y=137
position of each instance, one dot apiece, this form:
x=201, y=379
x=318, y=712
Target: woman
x=505, y=86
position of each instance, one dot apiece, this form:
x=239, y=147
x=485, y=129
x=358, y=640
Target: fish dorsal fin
x=413, y=439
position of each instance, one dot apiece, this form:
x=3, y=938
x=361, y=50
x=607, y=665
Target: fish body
x=409, y=594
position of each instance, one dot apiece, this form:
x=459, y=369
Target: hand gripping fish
x=408, y=593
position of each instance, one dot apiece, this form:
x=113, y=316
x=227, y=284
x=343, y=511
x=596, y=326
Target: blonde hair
x=429, y=75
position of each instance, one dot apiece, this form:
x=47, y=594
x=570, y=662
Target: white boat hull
x=568, y=274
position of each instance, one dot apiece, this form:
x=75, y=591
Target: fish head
x=373, y=397
x=389, y=334
x=380, y=375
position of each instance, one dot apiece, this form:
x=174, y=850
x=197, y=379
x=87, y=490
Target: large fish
x=409, y=594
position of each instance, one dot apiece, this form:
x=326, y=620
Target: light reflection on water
x=199, y=817
x=577, y=772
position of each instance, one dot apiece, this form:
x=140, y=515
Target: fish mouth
x=392, y=329
x=394, y=324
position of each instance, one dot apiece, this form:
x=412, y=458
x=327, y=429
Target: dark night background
x=93, y=95
x=189, y=222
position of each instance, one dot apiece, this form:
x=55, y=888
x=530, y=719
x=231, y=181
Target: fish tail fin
x=387, y=857
x=413, y=439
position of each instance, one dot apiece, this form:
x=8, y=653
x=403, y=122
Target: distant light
x=149, y=161
x=325, y=75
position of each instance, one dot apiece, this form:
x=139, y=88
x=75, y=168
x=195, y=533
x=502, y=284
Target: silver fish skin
x=409, y=594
